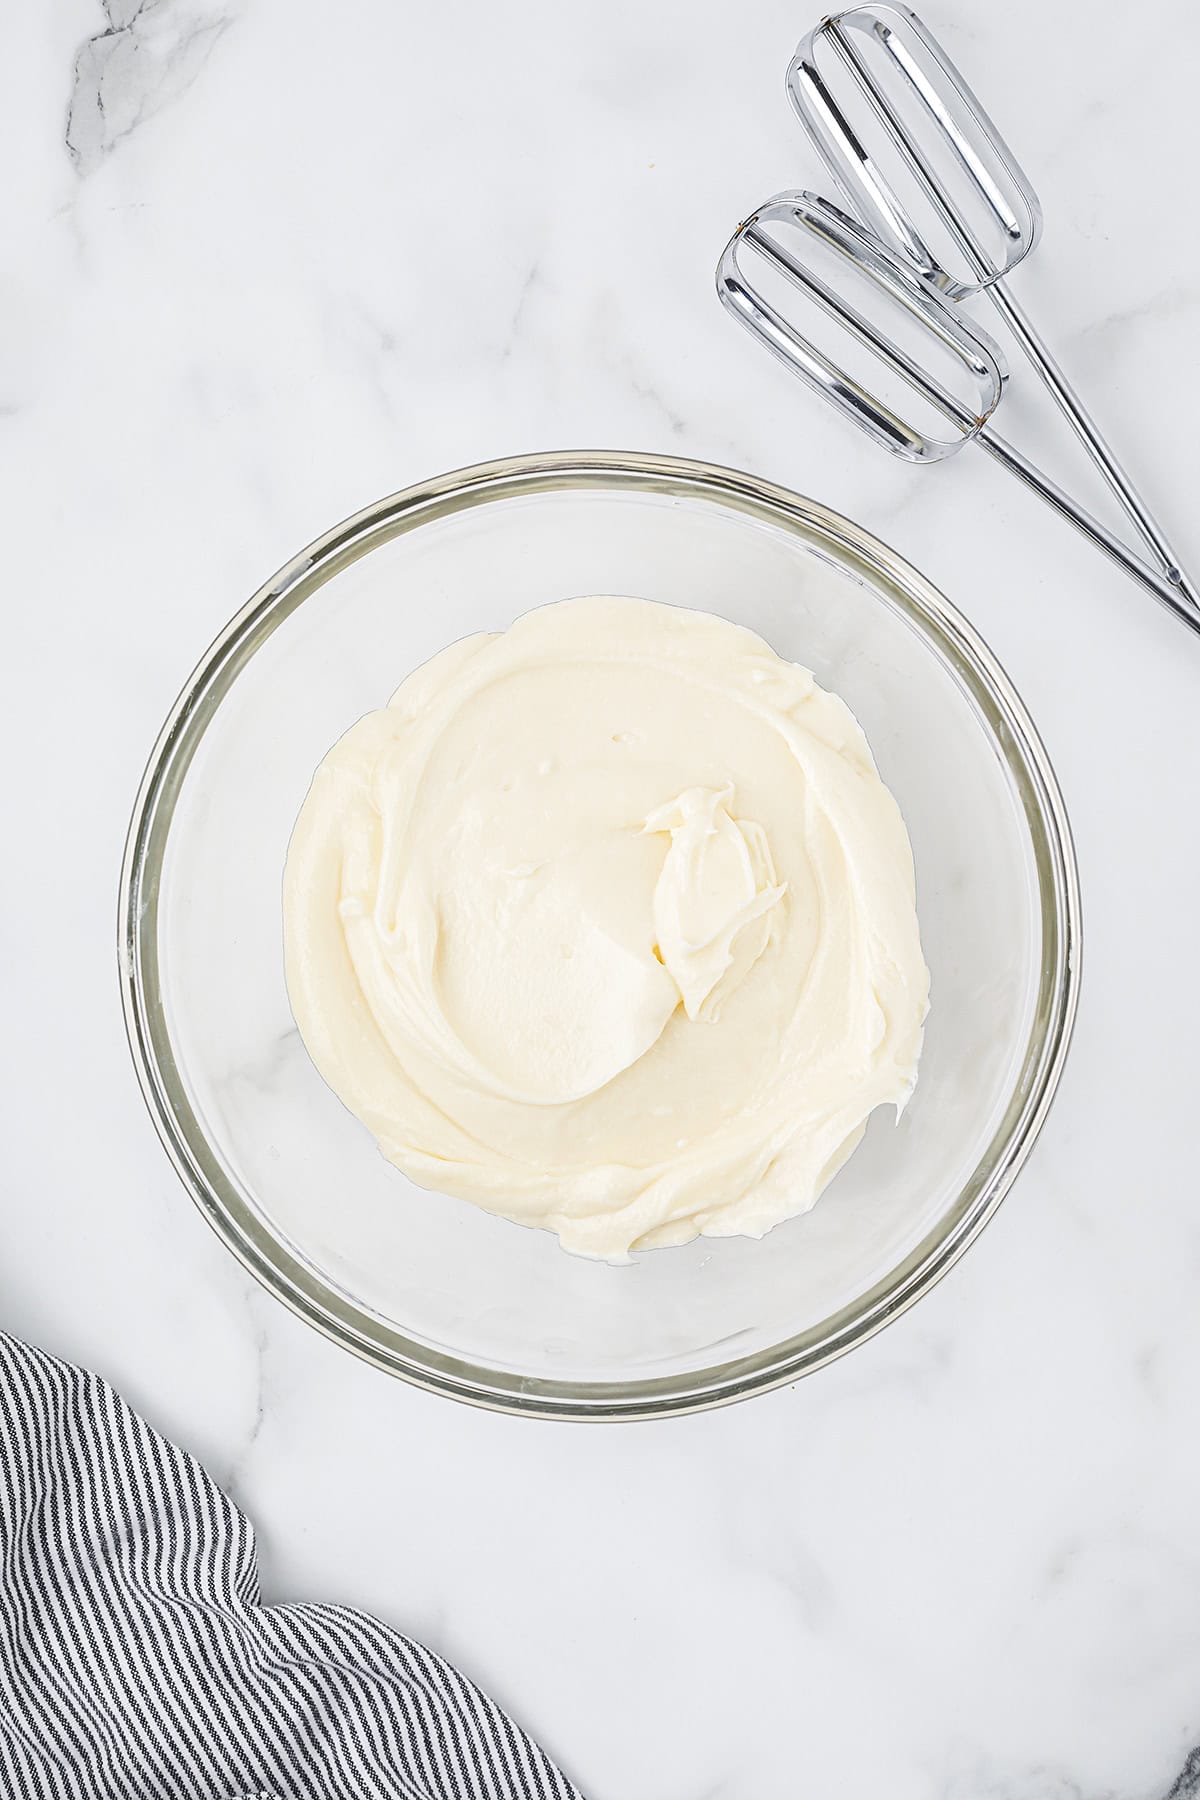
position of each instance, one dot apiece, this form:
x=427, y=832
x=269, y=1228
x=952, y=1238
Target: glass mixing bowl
x=431, y=1288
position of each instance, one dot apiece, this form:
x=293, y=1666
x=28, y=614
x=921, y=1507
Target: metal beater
x=794, y=231
x=872, y=86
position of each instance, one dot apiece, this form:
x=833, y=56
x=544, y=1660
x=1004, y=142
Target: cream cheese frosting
x=607, y=924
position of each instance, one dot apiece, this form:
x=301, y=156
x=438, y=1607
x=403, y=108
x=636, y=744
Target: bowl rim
x=857, y=552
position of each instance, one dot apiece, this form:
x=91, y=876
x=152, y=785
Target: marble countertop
x=265, y=260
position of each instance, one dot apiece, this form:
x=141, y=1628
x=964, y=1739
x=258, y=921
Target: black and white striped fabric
x=137, y=1661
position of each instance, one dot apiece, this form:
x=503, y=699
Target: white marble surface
x=265, y=260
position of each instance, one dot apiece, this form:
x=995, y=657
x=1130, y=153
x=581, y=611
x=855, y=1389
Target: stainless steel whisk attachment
x=954, y=372
x=943, y=212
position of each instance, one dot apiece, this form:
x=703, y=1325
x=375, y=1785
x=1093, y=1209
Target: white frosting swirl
x=607, y=924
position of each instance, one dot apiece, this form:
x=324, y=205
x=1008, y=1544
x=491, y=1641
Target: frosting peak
x=717, y=882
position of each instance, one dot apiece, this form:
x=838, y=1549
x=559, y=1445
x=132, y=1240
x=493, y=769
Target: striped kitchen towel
x=137, y=1661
